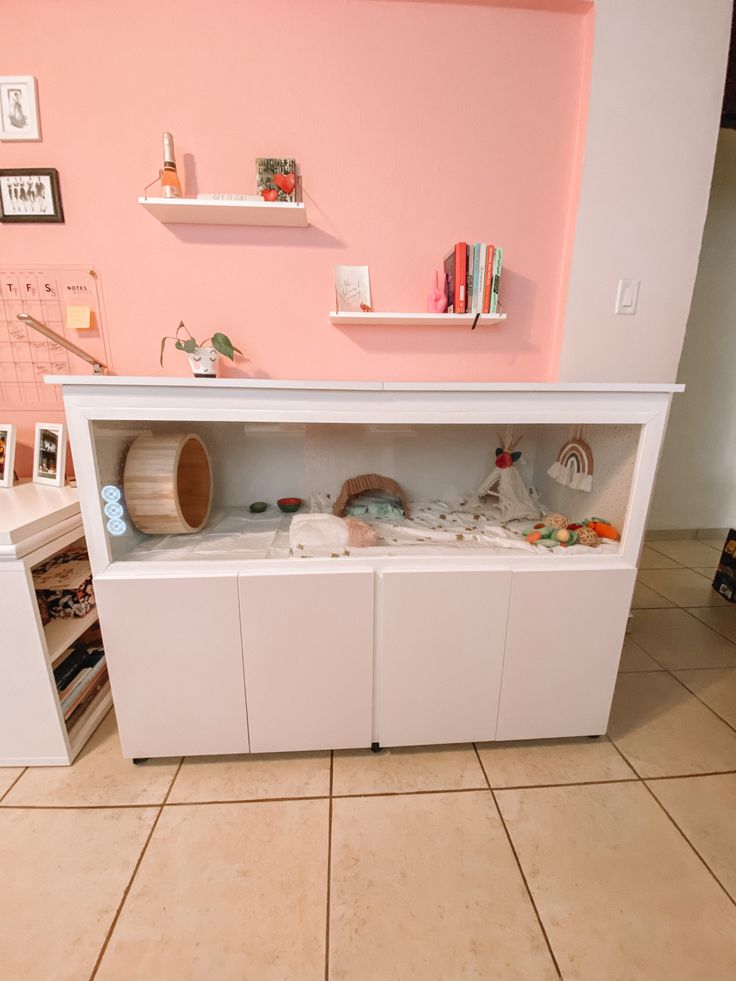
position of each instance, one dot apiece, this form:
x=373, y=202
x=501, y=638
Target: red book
x=486, y=308
x=461, y=277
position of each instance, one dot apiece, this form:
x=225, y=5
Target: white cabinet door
x=308, y=650
x=563, y=646
x=439, y=655
x=176, y=665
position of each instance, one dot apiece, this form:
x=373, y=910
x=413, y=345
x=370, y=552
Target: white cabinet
x=175, y=661
x=308, y=651
x=563, y=645
x=439, y=655
x=36, y=523
x=438, y=632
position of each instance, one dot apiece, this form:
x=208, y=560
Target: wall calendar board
x=46, y=293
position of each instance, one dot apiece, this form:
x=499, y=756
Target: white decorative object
x=49, y=454
x=318, y=531
x=18, y=108
x=505, y=487
x=352, y=288
x=7, y=454
x=574, y=465
x=203, y=362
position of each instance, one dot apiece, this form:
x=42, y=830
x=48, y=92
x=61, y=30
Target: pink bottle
x=437, y=298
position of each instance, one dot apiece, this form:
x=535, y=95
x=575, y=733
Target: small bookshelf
x=198, y=211
x=374, y=319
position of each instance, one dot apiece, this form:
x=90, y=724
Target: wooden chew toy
x=368, y=482
x=167, y=482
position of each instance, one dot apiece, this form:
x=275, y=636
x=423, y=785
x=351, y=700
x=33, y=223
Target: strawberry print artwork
x=276, y=178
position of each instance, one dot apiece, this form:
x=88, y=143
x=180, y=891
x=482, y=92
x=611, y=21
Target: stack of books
x=473, y=277
x=80, y=676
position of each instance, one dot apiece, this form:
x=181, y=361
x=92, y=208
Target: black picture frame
x=56, y=216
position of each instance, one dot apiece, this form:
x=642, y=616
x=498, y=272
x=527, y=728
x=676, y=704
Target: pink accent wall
x=415, y=124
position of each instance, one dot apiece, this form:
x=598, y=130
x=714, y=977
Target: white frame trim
x=89, y=399
x=60, y=429
x=6, y=479
x=33, y=134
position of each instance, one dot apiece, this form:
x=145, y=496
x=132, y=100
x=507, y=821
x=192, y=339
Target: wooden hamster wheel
x=167, y=483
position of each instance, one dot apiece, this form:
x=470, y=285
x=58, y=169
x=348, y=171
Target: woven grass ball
x=555, y=521
x=586, y=536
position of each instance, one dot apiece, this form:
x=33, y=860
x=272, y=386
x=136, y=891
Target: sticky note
x=78, y=318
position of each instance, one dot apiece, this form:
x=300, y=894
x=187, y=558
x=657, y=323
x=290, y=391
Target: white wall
x=696, y=485
x=657, y=84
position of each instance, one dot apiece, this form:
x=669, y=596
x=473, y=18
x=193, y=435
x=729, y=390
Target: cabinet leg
x=137, y=760
x=595, y=737
x=376, y=747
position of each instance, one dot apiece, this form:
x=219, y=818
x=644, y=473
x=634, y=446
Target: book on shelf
x=80, y=693
x=90, y=696
x=449, y=267
x=458, y=258
x=497, y=263
x=473, y=277
x=470, y=286
x=488, y=278
x=85, y=652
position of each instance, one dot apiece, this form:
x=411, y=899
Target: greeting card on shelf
x=352, y=289
x=276, y=178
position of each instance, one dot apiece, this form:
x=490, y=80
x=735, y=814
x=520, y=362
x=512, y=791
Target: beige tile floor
x=574, y=858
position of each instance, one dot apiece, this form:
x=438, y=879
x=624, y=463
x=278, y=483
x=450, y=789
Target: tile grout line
x=387, y=793
x=624, y=758
x=644, y=781
x=692, y=846
x=129, y=886
x=687, y=609
x=695, y=695
x=329, y=869
x=8, y=789
x=518, y=863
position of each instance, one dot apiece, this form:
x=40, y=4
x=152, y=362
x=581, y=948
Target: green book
x=497, y=262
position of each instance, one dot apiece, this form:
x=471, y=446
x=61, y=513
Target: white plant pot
x=204, y=362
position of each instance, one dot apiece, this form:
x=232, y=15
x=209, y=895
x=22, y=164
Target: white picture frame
x=19, y=108
x=7, y=453
x=49, y=454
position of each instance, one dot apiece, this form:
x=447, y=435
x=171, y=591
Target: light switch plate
x=627, y=296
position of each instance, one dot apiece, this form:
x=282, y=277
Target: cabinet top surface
x=27, y=509
x=153, y=381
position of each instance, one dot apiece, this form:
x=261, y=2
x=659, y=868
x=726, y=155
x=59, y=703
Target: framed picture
x=7, y=454
x=49, y=454
x=30, y=195
x=18, y=108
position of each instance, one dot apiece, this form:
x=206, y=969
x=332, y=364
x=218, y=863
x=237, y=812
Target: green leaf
x=189, y=345
x=163, y=344
x=223, y=345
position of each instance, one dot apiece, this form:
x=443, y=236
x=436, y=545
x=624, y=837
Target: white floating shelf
x=413, y=319
x=196, y=211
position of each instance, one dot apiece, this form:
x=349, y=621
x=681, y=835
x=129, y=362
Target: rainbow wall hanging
x=574, y=465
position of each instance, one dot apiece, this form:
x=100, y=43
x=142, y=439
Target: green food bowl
x=289, y=504
x=258, y=507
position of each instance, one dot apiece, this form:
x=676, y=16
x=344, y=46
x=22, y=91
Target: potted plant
x=203, y=355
